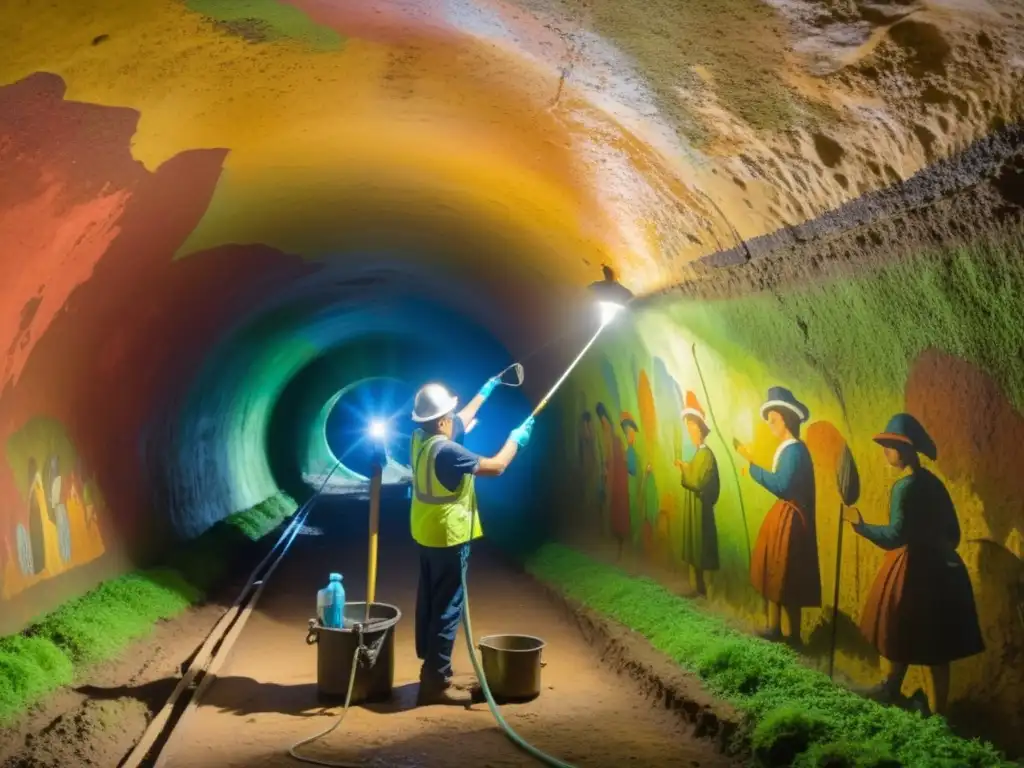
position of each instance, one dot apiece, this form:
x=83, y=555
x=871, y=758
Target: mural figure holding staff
x=588, y=461
x=634, y=476
x=617, y=483
x=921, y=608
x=698, y=535
x=606, y=468
x=784, y=563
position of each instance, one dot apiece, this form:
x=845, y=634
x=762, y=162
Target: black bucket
x=336, y=648
x=512, y=665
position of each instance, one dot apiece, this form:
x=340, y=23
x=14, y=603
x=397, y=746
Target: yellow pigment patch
x=300, y=124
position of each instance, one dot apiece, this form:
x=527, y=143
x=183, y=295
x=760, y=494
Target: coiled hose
x=467, y=626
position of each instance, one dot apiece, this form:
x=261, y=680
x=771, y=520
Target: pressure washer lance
x=492, y=705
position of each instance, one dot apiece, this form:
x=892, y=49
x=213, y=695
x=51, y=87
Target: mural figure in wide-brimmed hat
x=588, y=462
x=921, y=607
x=618, y=484
x=605, y=439
x=630, y=429
x=784, y=562
x=697, y=540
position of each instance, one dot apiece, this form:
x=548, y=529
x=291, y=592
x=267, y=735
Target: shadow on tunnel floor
x=245, y=696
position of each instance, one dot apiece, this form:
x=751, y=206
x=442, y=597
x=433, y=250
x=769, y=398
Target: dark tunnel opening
x=385, y=400
x=323, y=410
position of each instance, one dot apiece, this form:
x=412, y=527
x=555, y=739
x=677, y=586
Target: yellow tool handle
x=544, y=401
x=371, y=575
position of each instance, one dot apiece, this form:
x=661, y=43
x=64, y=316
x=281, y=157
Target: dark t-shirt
x=453, y=460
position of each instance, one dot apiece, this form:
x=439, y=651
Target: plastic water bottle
x=330, y=603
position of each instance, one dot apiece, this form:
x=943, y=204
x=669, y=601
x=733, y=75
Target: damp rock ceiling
x=684, y=124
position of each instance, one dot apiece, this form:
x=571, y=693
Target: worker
x=443, y=517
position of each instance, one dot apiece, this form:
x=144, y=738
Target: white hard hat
x=432, y=402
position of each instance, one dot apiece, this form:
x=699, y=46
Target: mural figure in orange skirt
x=921, y=608
x=698, y=534
x=784, y=563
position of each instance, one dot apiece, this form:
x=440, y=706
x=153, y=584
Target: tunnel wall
x=937, y=336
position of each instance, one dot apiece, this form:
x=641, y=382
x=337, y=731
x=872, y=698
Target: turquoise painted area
x=269, y=20
x=218, y=439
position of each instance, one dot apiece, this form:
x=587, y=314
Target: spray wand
x=551, y=393
x=511, y=376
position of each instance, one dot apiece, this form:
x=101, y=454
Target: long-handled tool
x=848, y=482
x=551, y=393
x=467, y=624
x=728, y=454
x=514, y=373
x=376, y=481
x=513, y=376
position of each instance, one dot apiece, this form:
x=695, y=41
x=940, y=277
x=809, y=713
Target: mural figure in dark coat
x=697, y=538
x=784, y=562
x=921, y=607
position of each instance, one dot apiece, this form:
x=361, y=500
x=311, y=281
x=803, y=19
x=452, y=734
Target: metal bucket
x=512, y=665
x=335, y=649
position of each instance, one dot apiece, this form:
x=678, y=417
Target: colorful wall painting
x=58, y=525
x=724, y=462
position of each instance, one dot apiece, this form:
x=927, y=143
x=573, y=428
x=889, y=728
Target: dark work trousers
x=439, y=604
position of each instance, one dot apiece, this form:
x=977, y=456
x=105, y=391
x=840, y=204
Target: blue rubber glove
x=488, y=387
x=521, y=434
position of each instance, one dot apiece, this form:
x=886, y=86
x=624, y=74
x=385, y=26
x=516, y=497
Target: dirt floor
x=97, y=722
x=265, y=698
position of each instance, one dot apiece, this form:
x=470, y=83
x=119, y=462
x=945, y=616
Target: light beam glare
x=609, y=310
x=378, y=429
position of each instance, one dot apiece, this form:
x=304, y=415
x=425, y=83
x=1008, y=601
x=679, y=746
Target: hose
x=467, y=625
x=492, y=705
x=293, y=750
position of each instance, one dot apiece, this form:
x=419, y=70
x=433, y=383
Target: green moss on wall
x=938, y=337
x=796, y=716
x=738, y=43
x=57, y=649
x=267, y=21
x=865, y=332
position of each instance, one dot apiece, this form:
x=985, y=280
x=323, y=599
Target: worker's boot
x=465, y=682
x=433, y=691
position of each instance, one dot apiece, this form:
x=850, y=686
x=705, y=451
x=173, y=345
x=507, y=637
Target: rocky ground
x=74, y=728
x=608, y=697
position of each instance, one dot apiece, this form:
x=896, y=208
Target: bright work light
x=378, y=429
x=609, y=310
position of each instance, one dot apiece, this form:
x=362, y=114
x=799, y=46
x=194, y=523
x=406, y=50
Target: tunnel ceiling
x=199, y=197
x=571, y=133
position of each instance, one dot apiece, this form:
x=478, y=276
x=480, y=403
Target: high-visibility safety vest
x=439, y=517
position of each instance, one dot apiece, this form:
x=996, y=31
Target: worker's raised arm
x=468, y=413
x=498, y=463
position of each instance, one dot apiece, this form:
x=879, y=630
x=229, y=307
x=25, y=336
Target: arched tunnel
x=772, y=516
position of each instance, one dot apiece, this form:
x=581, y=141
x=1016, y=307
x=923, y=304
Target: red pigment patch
x=977, y=431
x=531, y=34
x=382, y=21
x=116, y=327
x=48, y=256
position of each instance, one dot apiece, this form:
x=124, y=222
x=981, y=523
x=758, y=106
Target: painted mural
x=873, y=524
x=57, y=525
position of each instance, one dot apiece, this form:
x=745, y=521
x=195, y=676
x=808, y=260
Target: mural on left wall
x=55, y=523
